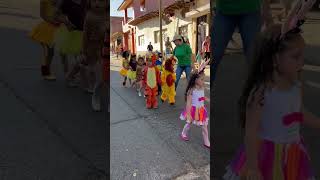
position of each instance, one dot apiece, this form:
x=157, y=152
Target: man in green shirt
x=183, y=53
x=246, y=15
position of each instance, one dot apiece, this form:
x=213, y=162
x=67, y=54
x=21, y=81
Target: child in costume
x=131, y=74
x=271, y=107
x=159, y=66
x=151, y=81
x=195, y=111
x=139, y=75
x=44, y=33
x=84, y=40
x=168, y=78
x=125, y=66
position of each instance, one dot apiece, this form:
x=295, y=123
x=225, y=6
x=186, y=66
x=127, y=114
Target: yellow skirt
x=44, y=33
x=68, y=42
x=123, y=72
x=131, y=74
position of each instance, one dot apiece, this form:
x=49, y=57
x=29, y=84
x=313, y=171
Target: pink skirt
x=199, y=116
x=276, y=162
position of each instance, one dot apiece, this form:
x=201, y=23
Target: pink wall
x=116, y=24
x=151, y=5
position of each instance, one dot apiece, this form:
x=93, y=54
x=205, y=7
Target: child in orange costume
x=151, y=81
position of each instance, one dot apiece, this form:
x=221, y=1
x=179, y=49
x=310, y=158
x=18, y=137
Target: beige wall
x=148, y=28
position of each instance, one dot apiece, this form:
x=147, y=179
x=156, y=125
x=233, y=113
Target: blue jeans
x=179, y=71
x=223, y=28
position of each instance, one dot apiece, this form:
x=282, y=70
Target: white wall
x=148, y=28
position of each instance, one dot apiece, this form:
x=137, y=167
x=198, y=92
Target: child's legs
x=140, y=85
x=205, y=135
x=172, y=94
x=92, y=74
x=46, y=62
x=83, y=75
x=154, y=98
x=148, y=100
x=65, y=63
x=99, y=81
x=164, y=93
x=185, y=129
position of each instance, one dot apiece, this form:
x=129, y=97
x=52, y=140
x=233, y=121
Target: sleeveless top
x=197, y=98
x=281, y=115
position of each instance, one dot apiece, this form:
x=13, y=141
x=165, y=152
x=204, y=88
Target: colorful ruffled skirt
x=199, y=116
x=276, y=162
x=123, y=72
x=44, y=33
x=68, y=42
x=131, y=74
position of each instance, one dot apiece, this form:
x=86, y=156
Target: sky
x=114, y=9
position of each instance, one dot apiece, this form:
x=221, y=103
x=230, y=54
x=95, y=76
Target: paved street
x=227, y=135
x=47, y=130
x=145, y=144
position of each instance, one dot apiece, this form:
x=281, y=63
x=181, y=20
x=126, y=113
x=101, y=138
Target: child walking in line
x=159, y=66
x=125, y=66
x=195, y=111
x=44, y=32
x=168, y=78
x=151, y=80
x=131, y=74
x=139, y=75
x=271, y=108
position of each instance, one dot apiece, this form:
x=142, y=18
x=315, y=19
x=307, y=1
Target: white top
x=277, y=105
x=198, y=98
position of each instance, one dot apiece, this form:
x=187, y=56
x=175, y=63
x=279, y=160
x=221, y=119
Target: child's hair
x=265, y=50
x=125, y=54
x=192, y=82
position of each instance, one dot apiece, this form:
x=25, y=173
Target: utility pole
x=160, y=24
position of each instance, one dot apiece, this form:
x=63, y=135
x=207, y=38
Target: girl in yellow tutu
x=125, y=67
x=69, y=40
x=43, y=33
x=131, y=74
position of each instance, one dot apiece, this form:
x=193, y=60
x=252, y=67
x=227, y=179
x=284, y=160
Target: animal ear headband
x=296, y=17
x=203, y=66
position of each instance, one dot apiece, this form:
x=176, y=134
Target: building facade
x=190, y=19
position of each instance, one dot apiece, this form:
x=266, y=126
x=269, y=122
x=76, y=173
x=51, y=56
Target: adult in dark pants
x=247, y=15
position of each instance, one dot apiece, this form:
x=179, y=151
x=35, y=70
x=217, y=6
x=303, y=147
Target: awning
x=125, y=5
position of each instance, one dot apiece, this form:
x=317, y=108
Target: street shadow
x=66, y=112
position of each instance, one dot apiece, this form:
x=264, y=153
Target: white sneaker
x=139, y=93
x=96, y=104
